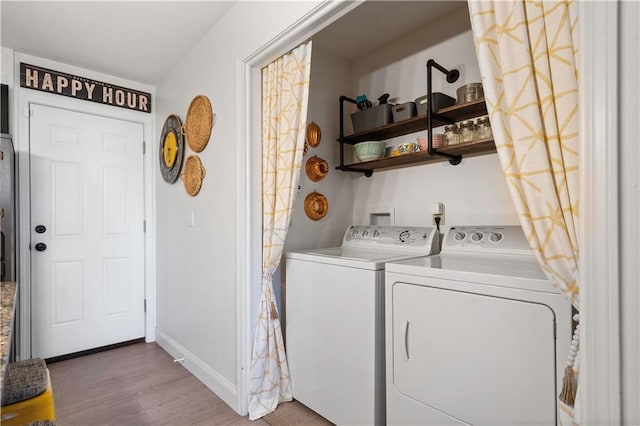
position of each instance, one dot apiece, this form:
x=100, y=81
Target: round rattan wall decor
x=313, y=134
x=193, y=174
x=316, y=168
x=316, y=206
x=171, y=149
x=199, y=122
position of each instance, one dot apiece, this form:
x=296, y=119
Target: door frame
x=22, y=101
x=600, y=341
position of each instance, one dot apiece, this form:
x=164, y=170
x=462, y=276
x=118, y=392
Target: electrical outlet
x=433, y=219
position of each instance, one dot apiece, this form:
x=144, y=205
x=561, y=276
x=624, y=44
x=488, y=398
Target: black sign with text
x=73, y=86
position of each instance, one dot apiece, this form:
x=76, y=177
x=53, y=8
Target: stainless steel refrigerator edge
x=7, y=209
x=8, y=224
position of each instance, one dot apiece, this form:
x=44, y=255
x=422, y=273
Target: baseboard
x=222, y=387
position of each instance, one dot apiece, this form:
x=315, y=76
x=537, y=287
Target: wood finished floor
x=141, y=385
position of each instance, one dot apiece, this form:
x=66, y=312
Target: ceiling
x=137, y=40
x=376, y=23
x=143, y=40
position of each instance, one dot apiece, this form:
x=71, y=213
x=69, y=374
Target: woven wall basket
x=192, y=174
x=199, y=122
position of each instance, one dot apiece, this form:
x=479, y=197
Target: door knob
x=41, y=246
x=41, y=229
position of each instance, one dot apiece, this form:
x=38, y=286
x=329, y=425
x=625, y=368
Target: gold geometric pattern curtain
x=285, y=96
x=527, y=52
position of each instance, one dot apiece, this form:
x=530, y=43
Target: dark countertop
x=7, y=311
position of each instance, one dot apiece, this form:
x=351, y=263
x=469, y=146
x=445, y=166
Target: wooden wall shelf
x=441, y=117
x=468, y=149
x=428, y=122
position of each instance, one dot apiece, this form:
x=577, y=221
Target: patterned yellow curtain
x=527, y=55
x=285, y=94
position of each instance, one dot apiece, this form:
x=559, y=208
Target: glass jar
x=451, y=136
x=483, y=129
x=467, y=131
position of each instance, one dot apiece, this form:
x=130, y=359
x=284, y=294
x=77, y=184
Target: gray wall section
x=629, y=187
x=196, y=266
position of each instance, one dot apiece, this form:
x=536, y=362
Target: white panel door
x=87, y=208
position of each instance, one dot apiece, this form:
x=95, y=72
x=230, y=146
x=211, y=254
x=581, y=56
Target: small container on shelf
x=483, y=129
x=469, y=93
x=440, y=100
x=403, y=111
x=438, y=142
x=451, y=135
x=467, y=131
x=408, y=147
x=371, y=118
x=369, y=150
x=423, y=143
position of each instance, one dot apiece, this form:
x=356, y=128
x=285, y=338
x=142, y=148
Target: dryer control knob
x=354, y=233
x=405, y=236
x=365, y=233
x=495, y=237
x=376, y=234
x=477, y=236
x=459, y=236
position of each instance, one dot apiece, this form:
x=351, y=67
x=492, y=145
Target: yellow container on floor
x=38, y=408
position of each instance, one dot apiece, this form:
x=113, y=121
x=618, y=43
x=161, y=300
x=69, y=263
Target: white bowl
x=370, y=150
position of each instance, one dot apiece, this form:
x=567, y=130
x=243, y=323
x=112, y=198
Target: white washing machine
x=335, y=320
x=475, y=335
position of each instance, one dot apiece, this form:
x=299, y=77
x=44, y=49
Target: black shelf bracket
x=342, y=166
x=452, y=77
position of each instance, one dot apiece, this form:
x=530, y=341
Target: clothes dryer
x=335, y=320
x=475, y=335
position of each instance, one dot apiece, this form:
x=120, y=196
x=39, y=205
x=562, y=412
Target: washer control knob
x=354, y=233
x=365, y=233
x=477, y=236
x=495, y=237
x=459, y=236
x=405, y=236
x=376, y=234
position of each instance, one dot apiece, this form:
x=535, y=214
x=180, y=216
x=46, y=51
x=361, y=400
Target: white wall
x=329, y=80
x=196, y=274
x=474, y=192
x=6, y=66
x=6, y=77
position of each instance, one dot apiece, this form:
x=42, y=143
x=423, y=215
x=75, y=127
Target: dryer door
x=481, y=359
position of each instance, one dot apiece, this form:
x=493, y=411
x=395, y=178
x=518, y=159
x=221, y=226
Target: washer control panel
x=486, y=238
x=423, y=239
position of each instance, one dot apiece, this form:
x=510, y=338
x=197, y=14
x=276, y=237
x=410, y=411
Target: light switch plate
x=191, y=221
